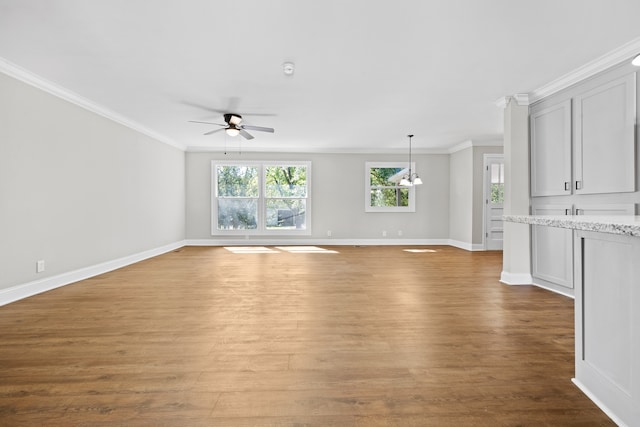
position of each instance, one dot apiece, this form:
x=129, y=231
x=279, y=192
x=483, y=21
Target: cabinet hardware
x=578, y=185
x=567, y=211
x=567, y=186
x=578, y=211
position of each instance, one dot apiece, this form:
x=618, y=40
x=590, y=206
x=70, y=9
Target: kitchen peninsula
x=607, y=308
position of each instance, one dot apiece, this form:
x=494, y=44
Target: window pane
x=389, y=197
x=497, y=193
x=237, y=214
x=237, y=181
x=286, y=214
x=380, y=176
x=497, y=173
x=286, y=181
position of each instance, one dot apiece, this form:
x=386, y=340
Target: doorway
x=493, y=201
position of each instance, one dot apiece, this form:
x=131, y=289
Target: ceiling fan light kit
x=232, y=130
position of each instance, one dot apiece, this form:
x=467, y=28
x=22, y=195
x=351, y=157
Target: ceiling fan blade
x=206, y=123
x=213, y=131
x=259, y=114
x=245, y=134
x=232, y=106
x=258, y=128
x=203, y=107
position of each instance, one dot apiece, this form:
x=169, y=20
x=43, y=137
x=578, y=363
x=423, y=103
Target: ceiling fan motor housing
x=233, y=119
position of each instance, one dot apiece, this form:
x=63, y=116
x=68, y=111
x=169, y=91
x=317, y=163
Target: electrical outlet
x=39, y=266
x=384, y=233
x=328, y=233
x=399, y=233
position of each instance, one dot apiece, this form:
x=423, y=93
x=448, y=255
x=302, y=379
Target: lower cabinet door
x=552, y=252
x=607, y=323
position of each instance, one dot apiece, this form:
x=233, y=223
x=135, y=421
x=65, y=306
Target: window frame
x=261, y=216
x=367, y=196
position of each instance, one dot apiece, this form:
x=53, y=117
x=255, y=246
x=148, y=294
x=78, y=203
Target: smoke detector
x=288, y=68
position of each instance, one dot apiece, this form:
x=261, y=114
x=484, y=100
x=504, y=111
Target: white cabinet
x=551, y=150
x=552, y=252
x=604, y=138
x=608, y=323
x=609, y=209
x=585, y=143
x=552, y=249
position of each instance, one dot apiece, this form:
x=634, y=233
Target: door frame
x=485, y=192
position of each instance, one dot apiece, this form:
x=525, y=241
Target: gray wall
x=466, y=199
x=461, y=198
x=338, y=196
x=77, y=189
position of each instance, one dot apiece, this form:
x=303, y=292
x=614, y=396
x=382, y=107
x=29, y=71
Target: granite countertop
x=627, y=225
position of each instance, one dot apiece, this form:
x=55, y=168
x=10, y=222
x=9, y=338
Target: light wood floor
x=367, y=336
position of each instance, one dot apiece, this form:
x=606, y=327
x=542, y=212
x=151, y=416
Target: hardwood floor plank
x=362, y=336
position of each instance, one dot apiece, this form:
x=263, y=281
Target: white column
x=516, y=255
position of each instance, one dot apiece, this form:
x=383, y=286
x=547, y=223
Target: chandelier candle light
x=411, y=178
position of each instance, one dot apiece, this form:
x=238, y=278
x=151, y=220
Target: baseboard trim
x=466, y=245
x=516, y=278
x=557, y=291
x=324, y=242
x=598, y=403
x=25, y=290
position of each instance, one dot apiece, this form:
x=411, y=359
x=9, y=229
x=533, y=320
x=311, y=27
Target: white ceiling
x=367, y=72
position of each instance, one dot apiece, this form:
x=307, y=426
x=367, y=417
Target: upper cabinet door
x=551, y=150
x=604, y=146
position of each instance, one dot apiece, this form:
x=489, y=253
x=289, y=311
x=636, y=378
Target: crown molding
x=401, y=151
x=522, y=99
x=625, y=52
x=25, y=76
x=317, y=150
x=474, y=143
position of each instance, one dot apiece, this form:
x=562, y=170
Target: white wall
x=77, y=189
x=338, y=196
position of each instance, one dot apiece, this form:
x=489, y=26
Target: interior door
x=494, y=200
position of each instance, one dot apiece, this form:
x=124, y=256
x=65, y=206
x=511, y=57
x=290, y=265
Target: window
x=261, y=198
x=382, y=188
x=497, y=183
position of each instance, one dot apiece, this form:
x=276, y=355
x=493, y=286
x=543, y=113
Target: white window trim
x=261, y=216
x=367, y=189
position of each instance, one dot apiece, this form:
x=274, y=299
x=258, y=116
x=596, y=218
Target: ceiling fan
x=234, y=126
